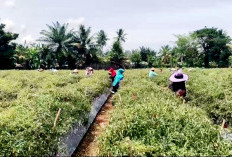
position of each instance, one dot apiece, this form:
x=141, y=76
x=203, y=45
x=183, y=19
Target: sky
x=149, y=23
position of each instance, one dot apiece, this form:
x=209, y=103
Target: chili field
x=150, y=120
x=29, y=101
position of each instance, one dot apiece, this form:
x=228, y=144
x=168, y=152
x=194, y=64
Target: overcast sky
x=150, y=23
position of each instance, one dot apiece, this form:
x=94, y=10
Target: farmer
x=177, y=85
x=152, y=73
x=172, y=70
x=112, y=74
x=41, y=70
x=119, y=76
x=89, y=71
x=75, y=71
x=54, y=70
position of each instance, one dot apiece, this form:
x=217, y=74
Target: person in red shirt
x=112, y=74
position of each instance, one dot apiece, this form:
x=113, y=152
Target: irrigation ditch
x=70, y=143
x=90, y=144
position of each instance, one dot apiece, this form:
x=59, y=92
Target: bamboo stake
x=183, y=100
x=225, y=96
x=120, y=97
x=223, y=123
x=130, y=146
x=56, y=119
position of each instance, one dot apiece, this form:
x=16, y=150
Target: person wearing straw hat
x=177, y=85
x=75, y=71
x=152, y=73
x=89, y=71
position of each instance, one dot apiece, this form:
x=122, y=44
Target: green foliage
x=116, y=54
x=213, y=93
x=230, y=61
x=59, y=39
x=207, y=47
x=136, y=58
x=147, y=55
x=208, y=89
x=121, y=36
x=86, y=49
x=75, y=49
x=166, y=55
x=29, y=101
x=101, y=40
x=186, y=52
x=6, y=48
x=27, y=56
x=47, y=57
x=149, y=120
x=213, y=41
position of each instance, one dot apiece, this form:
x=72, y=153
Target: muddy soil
x=89, y=145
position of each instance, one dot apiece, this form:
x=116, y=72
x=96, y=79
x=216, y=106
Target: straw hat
x=152, y=69
x=229, y=45
x=78, y=45
x=75, y=71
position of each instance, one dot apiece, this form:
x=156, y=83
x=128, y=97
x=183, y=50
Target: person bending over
x=89, y=71
x=112, y=74
x=119, y=76
x=177, y=85
x=152, y=73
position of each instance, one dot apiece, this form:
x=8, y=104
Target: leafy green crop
x=29, y=101
x=150, y=120
x=209, y=89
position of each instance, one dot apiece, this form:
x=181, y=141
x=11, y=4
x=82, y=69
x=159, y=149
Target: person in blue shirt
x=119, y=76
x=152, y=73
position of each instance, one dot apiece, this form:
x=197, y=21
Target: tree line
x=61, y=47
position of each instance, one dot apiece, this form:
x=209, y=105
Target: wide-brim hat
x=178, y=77
x=152, y=69
x=76, y=44
x=75, y=71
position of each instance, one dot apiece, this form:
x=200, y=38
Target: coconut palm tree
x=166, y=54
x=59, y=39
x=83, y=37
x=85, y=44
x=121, y=35
x=47, y=57
x=101, y=39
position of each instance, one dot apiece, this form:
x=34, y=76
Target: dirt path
x=89, y=146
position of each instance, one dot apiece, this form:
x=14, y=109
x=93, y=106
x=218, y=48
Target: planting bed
x=149, y=120
x=29, y=101
x=209, y=89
